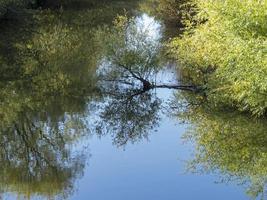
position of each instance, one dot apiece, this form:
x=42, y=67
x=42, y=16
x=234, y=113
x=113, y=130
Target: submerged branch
x=147, y=85
x=191, y=88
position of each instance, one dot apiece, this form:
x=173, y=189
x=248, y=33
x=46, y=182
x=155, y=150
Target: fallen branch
x=178, y=87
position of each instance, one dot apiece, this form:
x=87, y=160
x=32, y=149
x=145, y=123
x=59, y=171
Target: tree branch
x=178, y=87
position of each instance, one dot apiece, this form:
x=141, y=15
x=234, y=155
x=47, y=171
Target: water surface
x=77, y=124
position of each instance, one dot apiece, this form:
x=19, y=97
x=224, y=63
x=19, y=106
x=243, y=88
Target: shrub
x=229, y=52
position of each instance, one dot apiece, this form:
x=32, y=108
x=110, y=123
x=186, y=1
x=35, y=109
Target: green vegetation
x=227, y=144
x=130, y=59
x=66, y=56
x=132, y=49
x=48, y=77
x=233, y=145
x=34, y=154
x=226, y=53
x=50, y=53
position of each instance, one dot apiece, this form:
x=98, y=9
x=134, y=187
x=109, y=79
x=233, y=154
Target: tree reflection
x=131, y=51
x=47, y=81
x=130, y=61
x=43, y=105
x=133, y=54
x=128, y=115
x=229, y=143
x=36, y=156
x=64, y=64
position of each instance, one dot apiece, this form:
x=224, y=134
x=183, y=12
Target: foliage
x=235, y=146
x=131, y=54
x=46, y=63
x=131, y=50
x=48, y=77
x=228, y=52
x=226, y=143
x=128, y=115
x=36, y=156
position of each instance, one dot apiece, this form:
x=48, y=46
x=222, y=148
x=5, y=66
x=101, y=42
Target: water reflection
x=47, y=79
x=77, y=79
x=129, y=116
x=46, y=106
x=131, y=60
x=36, y=156
x=132, y=51
x=228, y=144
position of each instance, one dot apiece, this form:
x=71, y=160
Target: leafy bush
x=229, y=52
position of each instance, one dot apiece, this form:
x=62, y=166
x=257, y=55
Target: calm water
x=77, y=124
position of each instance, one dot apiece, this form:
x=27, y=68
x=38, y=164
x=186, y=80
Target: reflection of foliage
x=128, y=114
x=127, y=78
x=132, y=54
x=35, y=156
x=130, y=59
x=54, y=51
x=35, y=136
x=47, y=78
x=232, y=144
x=16, y=8
x=49, y=60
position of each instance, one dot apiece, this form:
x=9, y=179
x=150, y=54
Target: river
x=77, y=123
